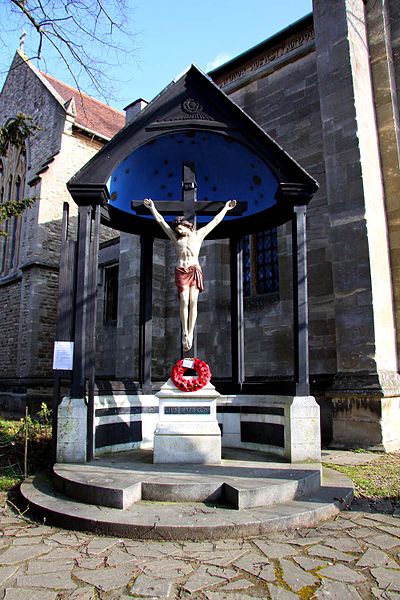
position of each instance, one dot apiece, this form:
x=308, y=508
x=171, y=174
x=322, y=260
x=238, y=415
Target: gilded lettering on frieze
x=269, y=57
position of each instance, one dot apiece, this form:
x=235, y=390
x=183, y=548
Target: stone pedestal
x=187, y=431
x=72, y=430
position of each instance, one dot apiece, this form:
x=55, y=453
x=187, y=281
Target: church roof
x=91, y=114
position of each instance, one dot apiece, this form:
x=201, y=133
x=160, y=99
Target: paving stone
x=387, y=578
x=82, y=594
x=362, y=532
x=99, y=545
x=326, y=552
x=392, y=529
x=206, y=577
x=382, y=518
x=27, y=541
x=119, y=557
x=34, y=531
x=42, y=566
x=25, y=593
x=224, y=596
x=384, y=594
x=231, y=545
x=219, y=558
x=92, y=562
x=61, y=554
x=335, y=590
x=344, y=544
x=148, y=550
x=151, y=587
x=295, y=577
x=342, y=573
x=278, y=593
x=110, y=578
x=308, y=564
x=238, y=584
x=65, y=539
x=56, y=581
x=275, y=550
x=306, y=541
x=6, y=573
x=337, y=524
x=374, y=557
x=256, y=565
x=17, y=554
x=384, y=542
x=167, y=569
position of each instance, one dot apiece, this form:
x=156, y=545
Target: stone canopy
x=192, y=119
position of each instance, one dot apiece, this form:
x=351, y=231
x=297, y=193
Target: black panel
x=252, y=410
x=125, y=410
x=118, y=433
x=187, y=410
x=262, y=433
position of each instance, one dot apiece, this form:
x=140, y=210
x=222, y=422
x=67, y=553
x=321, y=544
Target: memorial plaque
x=187, y=410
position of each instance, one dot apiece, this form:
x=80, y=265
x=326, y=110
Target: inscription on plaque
x=187, y=410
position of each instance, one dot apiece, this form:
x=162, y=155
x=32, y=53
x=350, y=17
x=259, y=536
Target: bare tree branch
x=88, y=36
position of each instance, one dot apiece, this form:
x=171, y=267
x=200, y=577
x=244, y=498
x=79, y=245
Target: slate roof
x=91, y=114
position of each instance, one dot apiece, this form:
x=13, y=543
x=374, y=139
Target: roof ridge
x=80, y=92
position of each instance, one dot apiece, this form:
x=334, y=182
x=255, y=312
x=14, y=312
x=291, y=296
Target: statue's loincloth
x=186, y=277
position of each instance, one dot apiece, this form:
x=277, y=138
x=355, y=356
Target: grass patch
x=376, y=479
x=31, y=434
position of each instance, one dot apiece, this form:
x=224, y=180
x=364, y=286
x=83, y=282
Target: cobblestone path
x=356, y=555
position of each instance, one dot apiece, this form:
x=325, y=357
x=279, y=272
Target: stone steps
x=121, y=481
x=177, y=520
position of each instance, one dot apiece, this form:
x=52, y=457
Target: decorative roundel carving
x=191, y=106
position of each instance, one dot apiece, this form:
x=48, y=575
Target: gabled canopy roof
x=193, y=106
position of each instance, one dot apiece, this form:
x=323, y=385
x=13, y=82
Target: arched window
x=12, y=182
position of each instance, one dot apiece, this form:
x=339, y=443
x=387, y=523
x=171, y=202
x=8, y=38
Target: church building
x=326, y=90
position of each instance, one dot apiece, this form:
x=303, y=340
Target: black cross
x=188, y=204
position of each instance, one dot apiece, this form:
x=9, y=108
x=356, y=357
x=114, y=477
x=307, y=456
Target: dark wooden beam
x=91, y=334
x=174, y=207
x=145, y=313
x=300, y=301
x=81, y=302
x=237, y=313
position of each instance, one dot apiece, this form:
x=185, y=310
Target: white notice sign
x=63, y=356
x=188, y=363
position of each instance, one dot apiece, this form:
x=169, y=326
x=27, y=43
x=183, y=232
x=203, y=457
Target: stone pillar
x=365, y=330
x=72, y=430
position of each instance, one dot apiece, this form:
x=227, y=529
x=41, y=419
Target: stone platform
x=126, y=495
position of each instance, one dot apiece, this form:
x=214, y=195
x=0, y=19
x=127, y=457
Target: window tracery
x=12, y=187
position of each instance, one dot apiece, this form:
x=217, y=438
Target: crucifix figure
x=187, y=241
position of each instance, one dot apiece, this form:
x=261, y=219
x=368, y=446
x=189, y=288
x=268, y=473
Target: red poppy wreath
x=190, y=384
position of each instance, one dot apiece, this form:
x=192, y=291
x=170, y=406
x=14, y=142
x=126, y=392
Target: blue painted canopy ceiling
x=225, y=169
x=193, y=121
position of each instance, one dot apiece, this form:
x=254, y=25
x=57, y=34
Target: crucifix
x=187, y=241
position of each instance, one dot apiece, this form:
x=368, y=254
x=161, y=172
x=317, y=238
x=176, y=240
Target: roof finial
x=22, y=41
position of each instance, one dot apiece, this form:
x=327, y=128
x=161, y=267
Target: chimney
x=133, y=109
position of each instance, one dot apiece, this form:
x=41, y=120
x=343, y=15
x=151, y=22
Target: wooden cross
x=189, y=204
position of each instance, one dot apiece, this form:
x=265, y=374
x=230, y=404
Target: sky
x=169, y=35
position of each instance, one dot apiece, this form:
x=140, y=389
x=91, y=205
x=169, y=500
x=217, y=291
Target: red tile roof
x=91, y=113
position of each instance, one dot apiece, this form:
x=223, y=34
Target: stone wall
x=30, y=290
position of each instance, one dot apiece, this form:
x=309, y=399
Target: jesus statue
x=188, y=274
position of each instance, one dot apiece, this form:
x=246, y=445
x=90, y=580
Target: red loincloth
x=188, y=277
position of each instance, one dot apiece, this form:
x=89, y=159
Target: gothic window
x=260, y=263
x=111, y=293
x=12, y=184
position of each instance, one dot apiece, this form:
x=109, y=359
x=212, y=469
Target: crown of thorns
x=182, y=221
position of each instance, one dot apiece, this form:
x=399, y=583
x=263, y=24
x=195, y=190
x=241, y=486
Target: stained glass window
x=260, y=263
